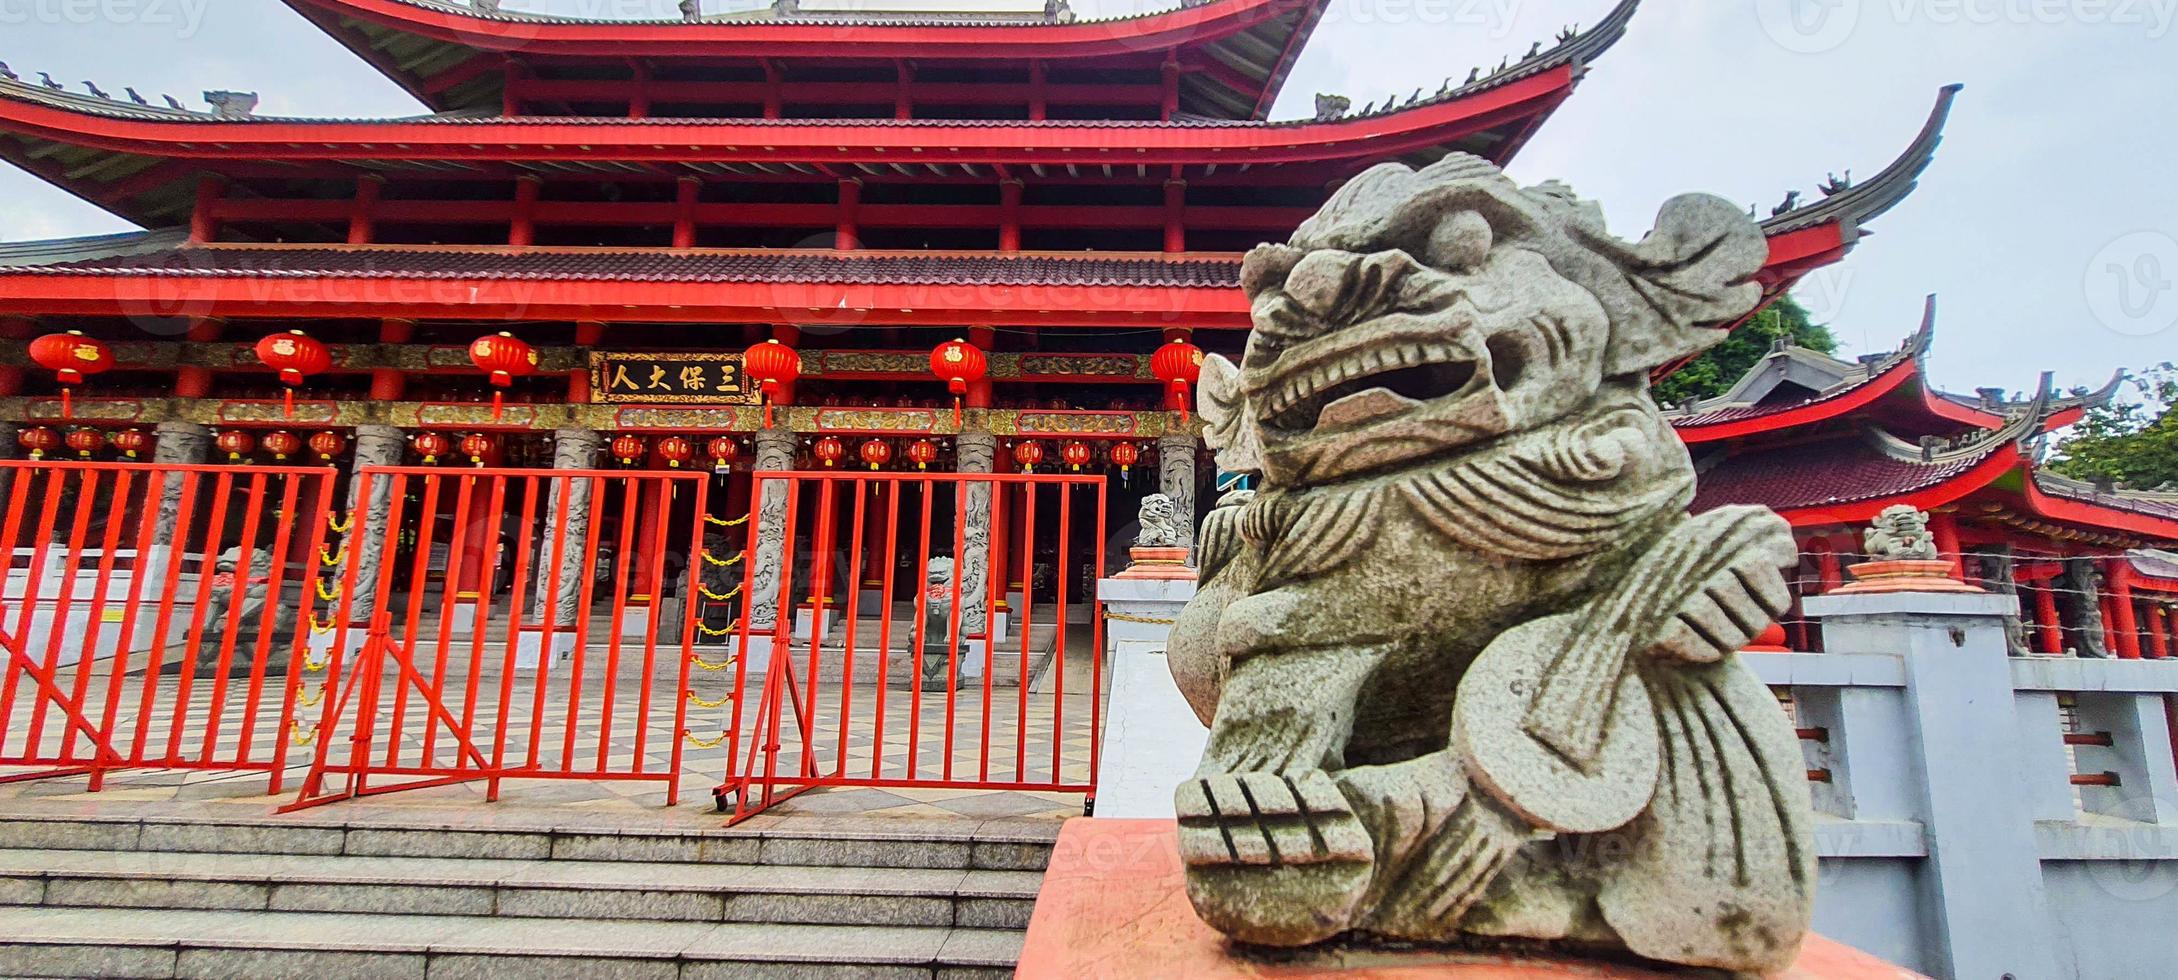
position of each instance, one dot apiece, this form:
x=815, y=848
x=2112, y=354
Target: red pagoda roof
x=1852, y=478
x=447, y=54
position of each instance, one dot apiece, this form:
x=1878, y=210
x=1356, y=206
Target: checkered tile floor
x=1038, y=735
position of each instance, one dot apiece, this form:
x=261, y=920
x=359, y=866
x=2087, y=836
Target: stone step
x=50, y=942
x=653, y=891
x=357, y=830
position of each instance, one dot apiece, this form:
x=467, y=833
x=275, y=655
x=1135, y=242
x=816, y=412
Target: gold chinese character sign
x=669, y=378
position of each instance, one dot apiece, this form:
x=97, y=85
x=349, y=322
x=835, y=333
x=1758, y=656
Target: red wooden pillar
x=639, y=101
x=12, y=375
x=510, y=92
x=589, y=333
x=1037, y=104
x=1009, y=216
x=476, y=544
x=903, y=96
x=2046, y=626
x=389, y=384
x=2158, y=631
x=203, y=221
x=362, y=214
x=523, y=232
x=874, y=555
x=650, y=512
x=192, y=381
x=849, y=233
x=2123, y=618
x=684, y=212
x=1833, y=576
x=772, y=84
x=979, y=391
x=1175, y=207
x=1945, y=527
x=2109, y=631
x=1168, y=102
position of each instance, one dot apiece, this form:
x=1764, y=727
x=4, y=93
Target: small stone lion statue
x=1469, y=665
x=1160, y=523
x=1900, y=533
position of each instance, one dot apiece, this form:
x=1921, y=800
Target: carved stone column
x=774, y=451
x=572, y=449
x=375, y=445
x=1176, y=479
x=179, y=444
x=975, y=452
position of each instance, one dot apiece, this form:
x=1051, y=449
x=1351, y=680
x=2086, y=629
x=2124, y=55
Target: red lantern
x=772, y=366
x=924, y=452
x=722, y=450
x=627, y=449
x=1179, y=365
x=676, y=450
x=296, y=355
x=131, y=442
x=477, y=446
x=282, y=444
x=959, y=364
x=830, y=450
x=328, y=445
x=236, y=444
x=1076, y=454
x=1125, y=455
x=876, y=452
x=71, y=357
x=432, y=445
x=86, y=441
x=39, y=440
x=505, y=358
x=1028, y=454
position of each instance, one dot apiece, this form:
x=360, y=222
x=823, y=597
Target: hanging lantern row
x=296, y=355
x=771, y=366
x=959, y=364
x=39, y=440
x=71, y=357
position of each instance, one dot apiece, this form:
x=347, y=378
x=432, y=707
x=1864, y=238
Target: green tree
x=2134, y=443
x=1720, y=367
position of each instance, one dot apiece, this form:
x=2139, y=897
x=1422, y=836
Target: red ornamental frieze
x=113, y=409
x=1078, y=423
x=476, y=414
x=866, y=362
x=676, y=418
x=877, y=420
x=1080, y=366
x=252, y=410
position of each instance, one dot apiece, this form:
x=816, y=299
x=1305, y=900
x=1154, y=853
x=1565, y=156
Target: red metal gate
x=888, y=694
x=153, y=615
x=474, y=654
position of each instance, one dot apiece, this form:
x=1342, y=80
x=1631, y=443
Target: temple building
x=637, y=204
x=1830, y=444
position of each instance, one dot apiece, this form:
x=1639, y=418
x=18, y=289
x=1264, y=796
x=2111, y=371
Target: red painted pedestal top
x=1113, y=906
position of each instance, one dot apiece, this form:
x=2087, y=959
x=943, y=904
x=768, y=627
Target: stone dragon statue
x=1469, y=666
x=1160, y=522
x=1900, y=533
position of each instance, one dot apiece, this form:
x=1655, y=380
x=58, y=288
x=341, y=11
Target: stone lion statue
x=1160, y=521
x=1469, y=666
x=1900, y=533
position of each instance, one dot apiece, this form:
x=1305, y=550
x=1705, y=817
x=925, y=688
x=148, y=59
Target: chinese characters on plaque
x=693, y=378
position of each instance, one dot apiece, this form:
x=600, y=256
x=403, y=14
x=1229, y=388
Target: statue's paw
x=1734, y=608
x=1450, y=874
x=1280, y=860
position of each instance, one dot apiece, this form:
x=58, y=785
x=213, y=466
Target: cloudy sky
x=2046, y=225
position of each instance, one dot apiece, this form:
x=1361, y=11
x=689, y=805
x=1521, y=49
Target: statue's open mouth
x=1367, y=386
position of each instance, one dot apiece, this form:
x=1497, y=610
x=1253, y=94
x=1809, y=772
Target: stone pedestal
x=1985, y=883
x=1158, y=563
x=1903, y=575
x=1114, y=904
x=1152, y=740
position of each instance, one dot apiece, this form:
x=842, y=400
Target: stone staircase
x=375, y=892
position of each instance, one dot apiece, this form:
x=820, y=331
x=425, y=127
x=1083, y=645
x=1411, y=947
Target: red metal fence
x=152, y=615
x=926, y=683
x=495, y=663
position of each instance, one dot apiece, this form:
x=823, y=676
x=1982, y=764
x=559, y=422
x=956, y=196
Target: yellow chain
x=325, y=594
x=331, y=560
x=700, y=663
x=306, y=699
x=321, y=628
x=736, y=522
x=1146, y=620
x=701, y=703
x=720, y=631
x=303, y=738
x=715, y=597
x=317, y=666
x=333, y=522
x=702, y=743
x=717, y=562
